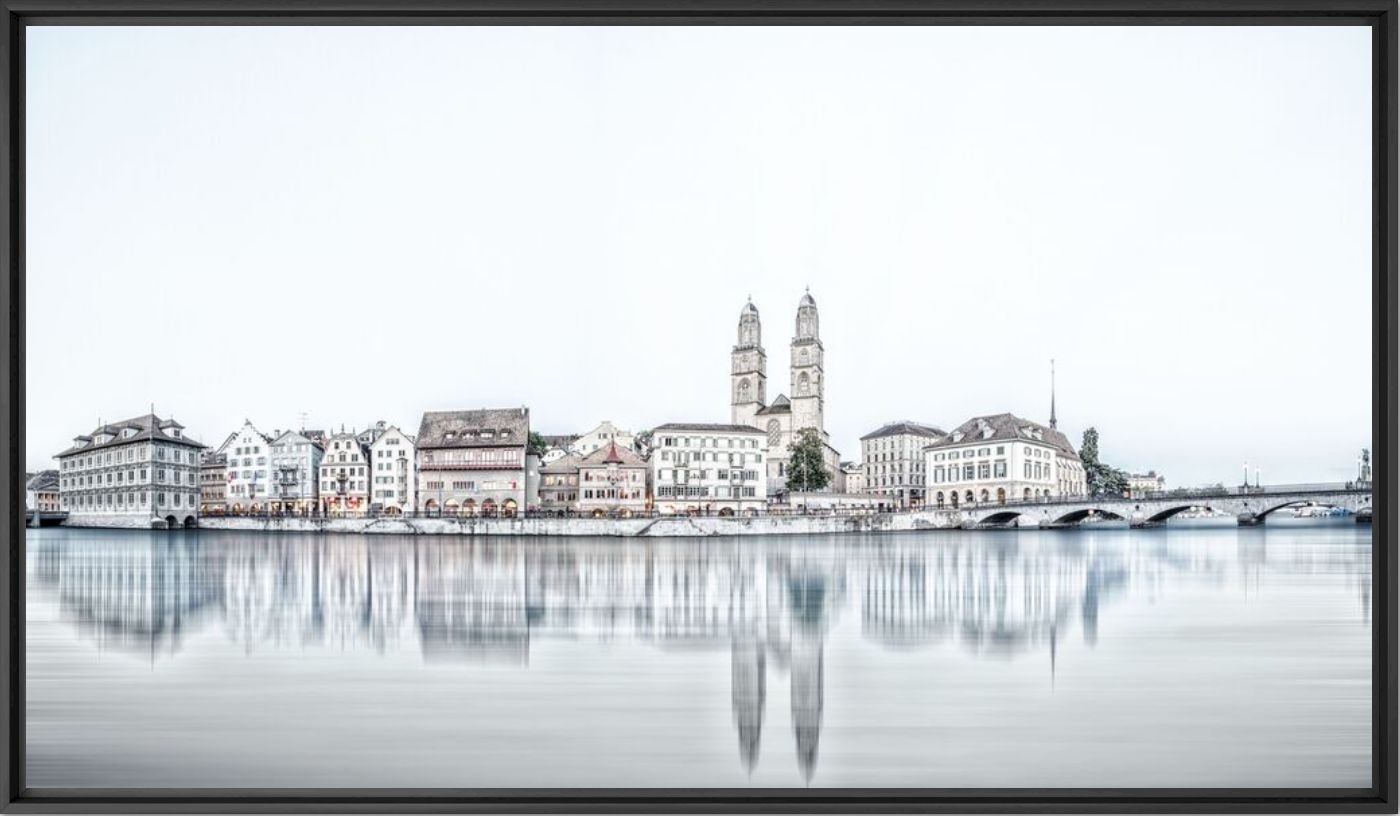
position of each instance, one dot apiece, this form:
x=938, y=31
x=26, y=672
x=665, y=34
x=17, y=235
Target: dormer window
x=451, y=435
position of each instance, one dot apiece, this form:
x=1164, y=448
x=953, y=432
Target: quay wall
x=668, y=527
x=119, y=521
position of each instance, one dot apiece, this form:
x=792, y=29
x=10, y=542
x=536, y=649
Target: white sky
x=364, y=223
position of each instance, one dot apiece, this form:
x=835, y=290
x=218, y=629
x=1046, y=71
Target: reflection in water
x=771, y=602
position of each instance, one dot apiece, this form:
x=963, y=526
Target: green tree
x=1099, y=478
x=806, y=467
x=641, y=443
x=536, y=444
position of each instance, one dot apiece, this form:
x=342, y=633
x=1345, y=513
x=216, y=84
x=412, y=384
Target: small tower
x=748, y=380
x=808, y=377
x=1052, y=392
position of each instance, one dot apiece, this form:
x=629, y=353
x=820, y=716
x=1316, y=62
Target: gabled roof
x=564, y=464
x=904, y=427
x=780, y=405
x=613, y=454
x=507, y=427
x=1004, y=428
x=147, y=427
x=302, y=435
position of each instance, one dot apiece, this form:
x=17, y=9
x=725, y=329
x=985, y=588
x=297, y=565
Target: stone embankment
x=667, y=526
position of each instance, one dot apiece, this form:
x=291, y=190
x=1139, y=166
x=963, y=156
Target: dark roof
x=564, y=464
x=149, y=426
x=347, y=436
x=903, y=427
x=707, y=426
x=43, y=480
x=1003, y=428
x=215, y=459
x=614, y=452
x=509, y=427
x=307, y=435
x=780, y=405
x=559, y=440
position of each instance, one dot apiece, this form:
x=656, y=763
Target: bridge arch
x=1076, y=516
x=1302, y=503
x=1172, y=511
x=999, y=519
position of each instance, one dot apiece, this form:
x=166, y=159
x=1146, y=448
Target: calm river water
x=1189, y=656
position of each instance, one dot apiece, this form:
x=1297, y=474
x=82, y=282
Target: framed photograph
x=425, y=406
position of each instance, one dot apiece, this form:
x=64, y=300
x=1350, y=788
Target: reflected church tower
x=750, y=690
x=806, y=696
x=748, y=369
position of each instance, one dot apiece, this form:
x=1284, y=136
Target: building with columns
x=474, y=462
x=787, y=416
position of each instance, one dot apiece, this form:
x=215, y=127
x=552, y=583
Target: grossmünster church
x=785, y=416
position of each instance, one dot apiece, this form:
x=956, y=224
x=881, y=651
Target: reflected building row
x=770, y=606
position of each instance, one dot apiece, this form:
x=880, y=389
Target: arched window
x=804, y=383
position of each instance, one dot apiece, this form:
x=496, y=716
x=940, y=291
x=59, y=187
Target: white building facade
x=249, y=453
x=394, y=472
x=892, y=463
x=612, y=481
x=143, y=471
x=1001, y=458
x=600, y=437
x=709, y=469
x=296, y=466
x=345, y=486
x=1143, y=485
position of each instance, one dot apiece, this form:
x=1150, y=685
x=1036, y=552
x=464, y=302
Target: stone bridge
x=1248, y=508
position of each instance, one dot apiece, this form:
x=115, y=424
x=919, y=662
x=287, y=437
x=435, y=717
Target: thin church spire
x=1052, y=392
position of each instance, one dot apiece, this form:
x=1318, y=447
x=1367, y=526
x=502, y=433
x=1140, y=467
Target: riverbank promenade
x=1248, y=508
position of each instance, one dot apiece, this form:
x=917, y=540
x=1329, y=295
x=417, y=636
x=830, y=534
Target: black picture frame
x=1379, y=15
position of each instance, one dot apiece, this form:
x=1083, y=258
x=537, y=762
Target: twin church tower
x=786, y=416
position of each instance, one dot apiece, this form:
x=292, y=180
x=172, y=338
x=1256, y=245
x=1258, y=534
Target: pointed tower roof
x=1052, y=392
